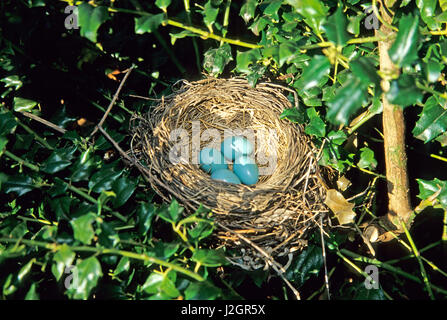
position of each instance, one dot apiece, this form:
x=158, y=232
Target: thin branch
x=45, y=122
x=115, y=97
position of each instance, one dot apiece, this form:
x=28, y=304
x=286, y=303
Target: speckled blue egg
x=234, y=147
x=211, y=160
x=246, y=170
x=226, y=176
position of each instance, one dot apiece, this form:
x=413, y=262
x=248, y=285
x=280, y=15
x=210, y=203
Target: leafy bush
x=77, y=223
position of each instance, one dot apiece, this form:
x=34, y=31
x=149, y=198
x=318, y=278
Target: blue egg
x=211, y=160
x=234, y=147
x=246, y=170
x=226, y=176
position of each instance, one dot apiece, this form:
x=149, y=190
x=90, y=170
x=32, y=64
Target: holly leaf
x=148, y=23
x=318, y=68
x=215, y=60
x=20, y=184
x=85, y=276
x=404, y=91
x=348, y=99
x=248, y=9
x=22, y=104
x=90, y=19
x=367, y=160
x=316, y=126
x=428, y=187
x=313, y=11
x=336, y=27
x=404, y=51
x=432, y=121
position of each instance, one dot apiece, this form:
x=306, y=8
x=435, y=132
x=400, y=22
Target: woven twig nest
x=270, y=219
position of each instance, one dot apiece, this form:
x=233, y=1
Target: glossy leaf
x=145, y=215
x=433, y=70
x=248, y=10
x=432, y=121
x=336, y=27
x=7, y=123
x=209, y=258
x=163, y=4
x=148, y=23
x=58, y=160
x=347, y=101
x=403, y=52
x=246, y=58
x=293, y=114
x=32, y=293
x=429, y=187
x=306, y=264
x=90, y=19
x=215, y=60
x=202, y=291
x=123, y=188
x=103, y=180
x=318, y=68
x=365, y=71
x=19, y=184
x=367, y=160
x=160, y=283
x=22, y=104
x=404, y=91
x=12, y=81
x=272, y=10
x=427, y=9
x=83, y=229
x=85, y=277
x=62, y=260
x=316, y=126
x=210, y=13
x=314, y=12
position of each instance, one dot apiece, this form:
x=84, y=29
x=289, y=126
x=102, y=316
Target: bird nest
x=262, y=222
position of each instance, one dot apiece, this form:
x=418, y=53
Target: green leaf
x=443, y=5
x=203, y=290
x=210, y=14
x=12, y=81
x=215, y=60
x=432, y=121
x=148, y=23
x=61, y=206
x=246, y=58
x=404, y=91
x=22, y=104
x=163, y=250
x=90, y=19
x=427, y=9
x=58, y=160
x=347, y=101
x=175, y=210
x=20, y=184
x=200, y=231
x=62, y=259
x=7, y=123
x=294, y=115
x=86, y=274
x=318, y=68
x=123, y=188
x=145, y=215
x=308, y=263
x=103, y=180
x=432, y=70
x=316, y=126
x=32, y=293
x=314, y=12
x=122, y=266
x=181, y=35
x=247, y=11
x=288, y=50
x=404, y=51
x=336, y=27
x=209, y=258
x=367, y=160
x=160, y=283
x=163, y=4
x=428, y=187
x=272, y=10
x=258, y=25
x=82, y=227
x=365, y=70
